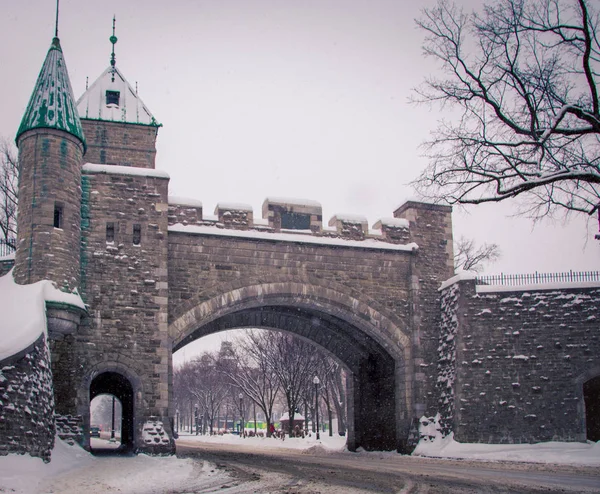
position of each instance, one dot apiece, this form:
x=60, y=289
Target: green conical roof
x=52, y=104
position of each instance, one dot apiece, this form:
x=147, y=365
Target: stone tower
x=123, y=347
x=51, y=146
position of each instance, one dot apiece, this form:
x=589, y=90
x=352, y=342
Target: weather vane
x=113, y=40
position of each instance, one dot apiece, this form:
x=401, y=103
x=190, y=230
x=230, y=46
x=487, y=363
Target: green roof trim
x=52, y=104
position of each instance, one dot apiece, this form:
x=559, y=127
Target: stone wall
x=431, y=229
x=124, y=283
x=122, y=144
x=521, y=359
x=27, y=402
x=206, y=266
x=50, y=180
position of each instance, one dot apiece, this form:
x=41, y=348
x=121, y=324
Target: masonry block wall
x=122, y=144
x=125, y=284
x=49, y=208
x=205, y=266
x=521, y=359
x=431, y=228
x=27, y=403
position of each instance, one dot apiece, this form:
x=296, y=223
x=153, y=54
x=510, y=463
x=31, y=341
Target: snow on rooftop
x=462, y=276
x=185, y=201
x=291, y=201
x=392, y=222
x=348, y=218
x=537, y=286
x=233, y=206
x=286, y=416
x=114, y=101
x=124, y=170
x=23, y=309
x=291, y=237
x=422, y=201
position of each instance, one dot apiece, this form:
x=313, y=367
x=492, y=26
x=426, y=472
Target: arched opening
x=106, y=414
x=373, y=396
x=260, y=376
x=115, y=384
x=591, y=396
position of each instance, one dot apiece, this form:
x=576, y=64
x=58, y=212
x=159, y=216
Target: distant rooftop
x=111, y=98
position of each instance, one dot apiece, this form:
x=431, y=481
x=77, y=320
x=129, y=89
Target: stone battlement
x=291, y=216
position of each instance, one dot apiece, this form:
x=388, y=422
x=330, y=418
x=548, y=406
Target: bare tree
x=9, y=178
x=206, y=384
x=255, y=373
x=523, y=76
x=469, y=257
x=293, y=361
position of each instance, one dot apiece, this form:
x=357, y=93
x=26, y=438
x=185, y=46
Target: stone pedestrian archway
x=116, y=384
x=372, y=348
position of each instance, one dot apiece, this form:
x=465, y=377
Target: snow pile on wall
x=27, y=403
x=26, y=390
x=447, y=356
x=155, y=438
x=23, y=309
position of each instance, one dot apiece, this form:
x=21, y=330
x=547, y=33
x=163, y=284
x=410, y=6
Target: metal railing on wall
x=7, y=247
x=538, y=278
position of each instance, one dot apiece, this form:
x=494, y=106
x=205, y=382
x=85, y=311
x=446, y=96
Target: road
x=321, y=472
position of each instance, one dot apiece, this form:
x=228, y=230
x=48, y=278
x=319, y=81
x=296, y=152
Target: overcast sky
x=258, y=98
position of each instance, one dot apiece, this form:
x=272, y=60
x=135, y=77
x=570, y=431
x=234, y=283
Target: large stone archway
x=371, y=345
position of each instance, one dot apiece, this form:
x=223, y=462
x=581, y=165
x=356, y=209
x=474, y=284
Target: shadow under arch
x=108, y=377
x=368, y=343
x=591, y=399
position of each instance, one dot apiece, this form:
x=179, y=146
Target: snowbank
x=587, y=454
x=73, y=471
x=23, y=309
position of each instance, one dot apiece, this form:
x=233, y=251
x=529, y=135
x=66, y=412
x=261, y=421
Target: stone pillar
x=431, y=229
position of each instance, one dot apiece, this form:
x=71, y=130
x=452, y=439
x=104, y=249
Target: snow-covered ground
x=73, y=470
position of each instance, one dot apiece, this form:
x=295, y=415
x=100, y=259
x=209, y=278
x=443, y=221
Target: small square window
x=112, y=97
x=110, y=232
x=58, y=215
x=137, y=234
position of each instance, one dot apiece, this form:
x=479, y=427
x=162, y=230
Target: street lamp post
x=196, y=417
x=241, y=416
x=316, y=382
x=112, y=427
x=177, y=421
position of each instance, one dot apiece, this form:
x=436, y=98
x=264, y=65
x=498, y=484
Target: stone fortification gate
x=155, y=272
x=344, y=289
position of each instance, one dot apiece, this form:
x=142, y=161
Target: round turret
x=51, y=147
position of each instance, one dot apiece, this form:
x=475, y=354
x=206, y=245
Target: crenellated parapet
x=290, y=216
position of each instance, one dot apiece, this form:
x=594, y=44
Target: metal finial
x=86, y=82
x=56, y=23
x=113, y=40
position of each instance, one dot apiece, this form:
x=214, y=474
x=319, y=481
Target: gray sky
x=305, y=99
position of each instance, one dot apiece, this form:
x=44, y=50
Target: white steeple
x=112, y=99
